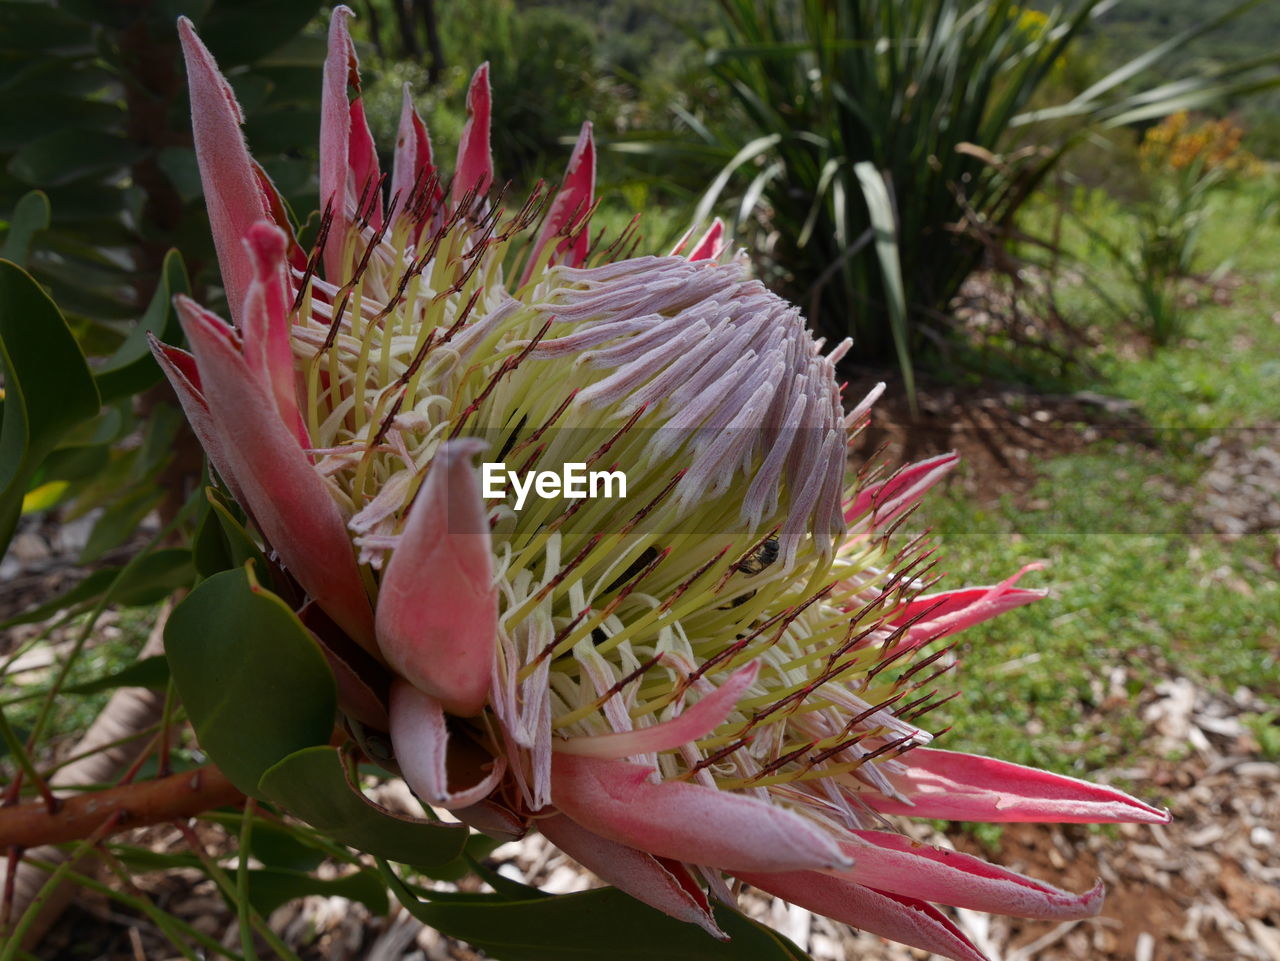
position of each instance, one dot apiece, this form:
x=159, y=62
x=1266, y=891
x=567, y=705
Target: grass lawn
x=1142, y=589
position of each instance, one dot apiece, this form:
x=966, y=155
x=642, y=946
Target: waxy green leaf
x=221, y=541
x=242, y=31
x=591, y=926
x=70, y=155
x=48, y=388
x=271, y=887
x=132, y=369
x=252, y=678
x=152, y=672
x=30, y=214
x=312, y=784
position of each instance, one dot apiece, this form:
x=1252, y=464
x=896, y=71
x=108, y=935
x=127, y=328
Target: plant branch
x=132, y=805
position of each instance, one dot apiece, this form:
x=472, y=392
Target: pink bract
x=720, y=675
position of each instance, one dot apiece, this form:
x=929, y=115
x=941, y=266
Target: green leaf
x=242, y=31
x=478, y=847
x=94, y=209
x=35, y=26
x=48, y=388
x=884, y=220
x=751, y=151
x=73, y=463
x=152, y=672
x=222, y=543
x=120, y=521
x=30, y=215
x=297, y=84
x=278, y=846
x=181, y=167
x=109, y=425
x=132, y=369
x=153, y=578
x=29, y=118
x=1161, y=51
x=255, y=683
x=281, y=129
x=140, y=860
x=209, y=546
x=252, y=90
x=312, y=784
x=83, y=302
x=276, y=843
x=302, y=50
x=592, y=926
x=271, y=887
x=505, y=886
x=70, y=155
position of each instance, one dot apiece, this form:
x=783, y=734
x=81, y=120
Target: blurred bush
x=544, y=70
x=98, y=187
x=1183, y=163
x=876, y=151
x=96, y=116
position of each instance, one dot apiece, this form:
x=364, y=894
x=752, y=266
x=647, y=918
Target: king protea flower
x=721, y=674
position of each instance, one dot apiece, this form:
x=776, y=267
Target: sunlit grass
x=1141, y=588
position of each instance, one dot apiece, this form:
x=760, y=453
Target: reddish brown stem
x=132, y=805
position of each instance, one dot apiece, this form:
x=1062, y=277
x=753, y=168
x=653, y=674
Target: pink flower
x=718, y=675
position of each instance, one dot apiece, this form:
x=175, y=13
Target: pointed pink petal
x=286, y=496
x=489, y=817
x=695, y=722
x=687, y=822
x=363, y=158
x=341, y=70
x=475, y=163
x=265, y=323
x=570, y=208
x=969, y=787
x=890, y=498
x=892, y=916
x=711, y=245
x=953, y=611
x=232, y=192
x=893, y=862
x=412, y=166
x=180, y=368
x=420, y=737
x=667, y=886
x=437, y=604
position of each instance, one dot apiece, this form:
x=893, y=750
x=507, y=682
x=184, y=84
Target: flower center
x=700, y=386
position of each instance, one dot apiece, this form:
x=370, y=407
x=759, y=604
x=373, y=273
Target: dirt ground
x=1204, y=888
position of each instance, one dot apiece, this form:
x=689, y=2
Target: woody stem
x=187, y=794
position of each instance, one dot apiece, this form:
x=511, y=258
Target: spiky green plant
x=879, y=148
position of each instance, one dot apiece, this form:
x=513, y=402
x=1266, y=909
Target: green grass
x=1139, y=589
x=1226, y=372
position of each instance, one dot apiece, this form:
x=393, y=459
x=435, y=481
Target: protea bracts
x=722, y=674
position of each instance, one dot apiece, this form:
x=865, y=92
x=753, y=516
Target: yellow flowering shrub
x=1176, y=144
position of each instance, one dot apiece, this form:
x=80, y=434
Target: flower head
x=722, y=672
